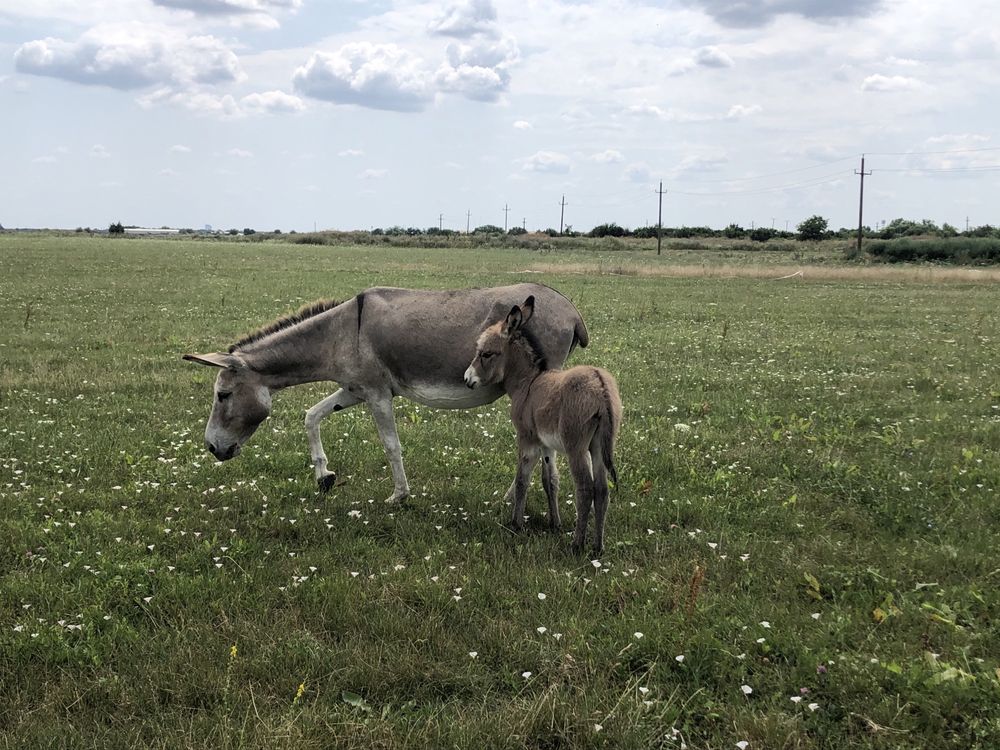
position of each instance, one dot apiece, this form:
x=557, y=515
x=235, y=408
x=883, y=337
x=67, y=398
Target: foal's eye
x=486, y=355
x=223, y=395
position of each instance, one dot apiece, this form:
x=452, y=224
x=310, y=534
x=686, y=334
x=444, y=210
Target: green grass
x=820, y=456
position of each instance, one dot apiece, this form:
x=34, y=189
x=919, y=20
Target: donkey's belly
x=449, y=396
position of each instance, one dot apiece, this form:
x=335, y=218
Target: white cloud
x=179, y=148
x=200, y=102
x=881, y=83
x=611, y=156
x=240, y=153
x=351, y=152
x=478, y=70
x=259, y=13
x=522, y=125
x=751, y=13
x=131, y=56
x=712, y=57
x=168, y=172
x=44, y=160
x=466, y=19
x=638, y=172
x=739, y=111
x=699, y=163
x=271, y=102
x=97, y=151
x=546, y=161
x=379, y=76
x=373, y=174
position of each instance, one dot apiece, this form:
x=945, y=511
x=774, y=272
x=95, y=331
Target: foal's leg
x=526, y=460
x=385, y=423
x=338, y=401
x=579, y=465
x=550, y=481
x=601, y=497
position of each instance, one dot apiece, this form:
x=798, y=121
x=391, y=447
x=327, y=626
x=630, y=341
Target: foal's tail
x=607, y=438
x=609, y=419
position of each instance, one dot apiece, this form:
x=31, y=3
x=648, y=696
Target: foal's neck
x=523, y=367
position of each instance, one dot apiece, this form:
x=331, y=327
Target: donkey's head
x=241, y=403
x=493, y=347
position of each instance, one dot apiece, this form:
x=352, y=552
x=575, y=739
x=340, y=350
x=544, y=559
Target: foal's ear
x=527, y=309
x=515, y=319
x=215, y=359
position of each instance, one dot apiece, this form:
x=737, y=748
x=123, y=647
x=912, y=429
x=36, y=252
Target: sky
x=341, y=114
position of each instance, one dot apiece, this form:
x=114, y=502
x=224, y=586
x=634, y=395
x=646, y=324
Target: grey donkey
x=576, y=412
x=382, y=343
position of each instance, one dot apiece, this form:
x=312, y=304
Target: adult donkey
x=385, y=342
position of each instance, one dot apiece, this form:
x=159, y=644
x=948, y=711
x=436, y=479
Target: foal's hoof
x=326, y=482
x=397, y=498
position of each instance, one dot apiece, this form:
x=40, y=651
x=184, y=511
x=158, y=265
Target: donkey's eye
x=486, y=355
x=223, y=395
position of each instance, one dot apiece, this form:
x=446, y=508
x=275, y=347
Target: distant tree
x=517, y=231
x=947, y=230
x=233, y=232
x=608, y=230
x=247, y=231
x=488, y=229
x=277, y=231
x=812, y=228
x=762, y=234
x=644, y=233
x=116, y=228
x=734, y=232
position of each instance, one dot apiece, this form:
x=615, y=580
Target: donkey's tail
x=607, y=447
x=580, y=334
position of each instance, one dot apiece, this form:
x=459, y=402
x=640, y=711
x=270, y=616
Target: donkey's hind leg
x=342, y=399
x=579, y=465
x=550, y=482
x=601, y=497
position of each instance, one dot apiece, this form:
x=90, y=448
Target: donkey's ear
x=215, y=359
x=527, y=309
x=515, y=318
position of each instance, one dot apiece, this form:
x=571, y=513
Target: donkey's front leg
x=526, y=460
x=385, y=423
x=342, y=399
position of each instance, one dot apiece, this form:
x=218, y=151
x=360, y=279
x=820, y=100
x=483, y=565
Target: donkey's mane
x=285, y=321
x=534, y=349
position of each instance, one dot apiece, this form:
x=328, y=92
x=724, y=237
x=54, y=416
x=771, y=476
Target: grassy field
x=802, y=552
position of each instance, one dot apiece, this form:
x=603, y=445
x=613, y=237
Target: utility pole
x=524, y=224
x=468, y=218
x=659, y=219
x=506, y=210
x=562, y=212
x=861, y=199
x=966, y=224
x=440, y=222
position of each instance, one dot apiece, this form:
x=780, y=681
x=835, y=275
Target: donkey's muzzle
x=220, y=453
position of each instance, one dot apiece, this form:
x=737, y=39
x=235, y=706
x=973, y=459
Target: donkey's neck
x=306, y=352
x=522, y=367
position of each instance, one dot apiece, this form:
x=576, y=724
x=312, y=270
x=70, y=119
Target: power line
x=980, y=168
x=807, y=183
x=922, y=153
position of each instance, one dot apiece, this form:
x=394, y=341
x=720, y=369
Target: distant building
x=208, y=227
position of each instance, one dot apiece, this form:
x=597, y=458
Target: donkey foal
x=576, y=412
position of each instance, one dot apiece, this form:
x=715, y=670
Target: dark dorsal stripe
x=534, y=349
x=286, y=321
x=361, y=306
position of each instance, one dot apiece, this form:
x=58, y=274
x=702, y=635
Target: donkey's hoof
x=326, y=482
x=396, y=498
